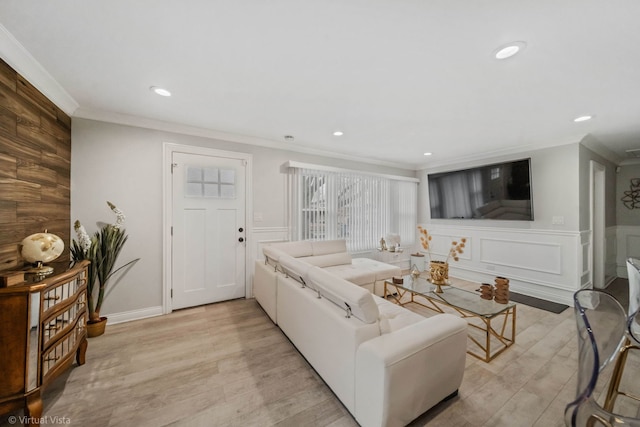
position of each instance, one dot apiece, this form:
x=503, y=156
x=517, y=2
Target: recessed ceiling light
x=289, y=138
x=427, y=154
x=160, y=91
x=582, y=119
x=338, y=133
x=508, y=50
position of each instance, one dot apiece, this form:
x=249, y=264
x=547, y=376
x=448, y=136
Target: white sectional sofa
x=385, y=363
x=332, y=256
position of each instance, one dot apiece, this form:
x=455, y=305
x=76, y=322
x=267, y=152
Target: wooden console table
x=42, y=329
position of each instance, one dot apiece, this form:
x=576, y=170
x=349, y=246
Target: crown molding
x=497, y=155
x=14, y=54
x=629, y=162
x=147, y=123
x=300, y=165
x=594, y=144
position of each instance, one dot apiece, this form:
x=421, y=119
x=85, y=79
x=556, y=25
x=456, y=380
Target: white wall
x=123, y=164
x=542, y=259
x=554, y=185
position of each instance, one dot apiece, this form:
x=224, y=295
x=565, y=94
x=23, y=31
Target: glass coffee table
x=478, y=312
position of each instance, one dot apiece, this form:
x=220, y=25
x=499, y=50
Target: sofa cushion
x=324, y=247
x=353, y=274
x=393, y=317
x=381, y=270
x=296, y=269
x=328, y=260
x=345, y=295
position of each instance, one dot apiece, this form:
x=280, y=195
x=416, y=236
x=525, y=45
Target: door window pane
x=211, y=175
x=227, y=176
x=210, y=182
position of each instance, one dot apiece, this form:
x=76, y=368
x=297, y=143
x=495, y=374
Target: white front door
x=208, y=219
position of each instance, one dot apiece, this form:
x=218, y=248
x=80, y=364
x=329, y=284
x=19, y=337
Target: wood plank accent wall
x=35, y=167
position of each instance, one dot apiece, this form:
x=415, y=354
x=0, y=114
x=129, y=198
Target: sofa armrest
x=265, y=289
x=402, y=374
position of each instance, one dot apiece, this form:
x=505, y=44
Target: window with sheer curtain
x=329, y=203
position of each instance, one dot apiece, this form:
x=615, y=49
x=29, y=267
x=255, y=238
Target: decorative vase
x=95, y=329
x=439, y=273
x=501, y=281
x=501, y=294
x=486, y=291
x=417, y=260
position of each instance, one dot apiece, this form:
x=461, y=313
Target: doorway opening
x=597, y=224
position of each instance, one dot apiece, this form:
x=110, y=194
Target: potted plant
x=102, y=249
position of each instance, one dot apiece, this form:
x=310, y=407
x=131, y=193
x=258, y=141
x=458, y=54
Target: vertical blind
x=360, y=208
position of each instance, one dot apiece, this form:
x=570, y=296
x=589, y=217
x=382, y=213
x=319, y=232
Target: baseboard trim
x=128, y=316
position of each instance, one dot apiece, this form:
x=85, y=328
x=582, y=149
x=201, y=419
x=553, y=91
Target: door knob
x=241, y=229
x=240, y=240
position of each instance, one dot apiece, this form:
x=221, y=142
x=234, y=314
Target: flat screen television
x=497, y=191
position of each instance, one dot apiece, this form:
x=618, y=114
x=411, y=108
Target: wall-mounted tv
x=497, y=191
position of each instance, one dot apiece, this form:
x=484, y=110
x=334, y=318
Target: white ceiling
x=399, y=78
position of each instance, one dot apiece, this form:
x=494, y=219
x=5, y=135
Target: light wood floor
x=226, y=364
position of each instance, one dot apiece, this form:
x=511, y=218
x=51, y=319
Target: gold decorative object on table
x=415, y=272
x=439, y=270
x=501, y=294
x=39, y=248
x=439, y=274
x=486, y=291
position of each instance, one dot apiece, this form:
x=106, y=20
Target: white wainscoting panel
x=628, y=242
x=530, y=255
x=264, y=236
x=632, y=246
x=547, y=264
x=610, y=261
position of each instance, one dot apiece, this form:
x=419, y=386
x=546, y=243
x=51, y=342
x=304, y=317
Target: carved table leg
x=82, y=349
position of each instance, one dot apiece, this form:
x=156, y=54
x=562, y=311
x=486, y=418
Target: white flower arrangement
x=83, y=238
x=119, y=215
x=102, y=250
